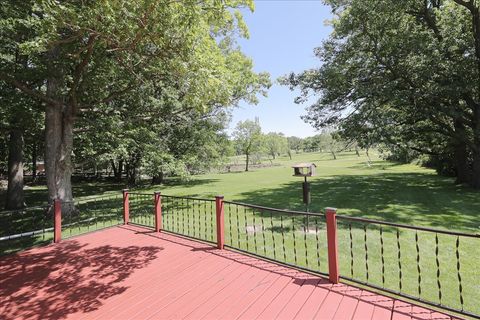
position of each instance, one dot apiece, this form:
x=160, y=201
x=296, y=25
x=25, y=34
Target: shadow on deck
x=131, y=273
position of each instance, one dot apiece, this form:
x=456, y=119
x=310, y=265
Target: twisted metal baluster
x=211, y=221
x=318, y=243
x=399, y=261
x=366, y=249
x=194, y=231
x=199, y=218
x=283, y=239
x=238, y=227
x=460, y=287
x=305, y=229
x=273, y=236
x=351, y=249
x=263, y=235
x=438, y=269
x=254, y=231
x=184, y=219
x=294, y=240
x=246, y=225
x=205, y=219
x=419, y=271
x=382, y=256
x=230, y=224
x=189, y=219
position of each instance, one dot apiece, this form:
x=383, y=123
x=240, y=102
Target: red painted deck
x=133, y=273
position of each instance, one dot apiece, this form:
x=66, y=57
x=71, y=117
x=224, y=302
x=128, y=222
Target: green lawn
x=388, y=191
x=402, y=193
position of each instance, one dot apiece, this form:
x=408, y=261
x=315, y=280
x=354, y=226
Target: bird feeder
x=305, y=170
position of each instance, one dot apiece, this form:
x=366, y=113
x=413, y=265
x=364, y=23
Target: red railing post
x=158, y=211
x=220, y=222
x=332, y=241
x=57, y=220
x=126, y=206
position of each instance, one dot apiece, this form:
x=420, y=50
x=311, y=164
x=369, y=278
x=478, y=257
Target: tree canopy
x=124, y=79
x=405, y=74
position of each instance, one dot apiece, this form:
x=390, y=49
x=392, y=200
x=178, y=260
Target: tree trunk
x=15, y=194
x=114, y=168
x=158, y=179
x=58, y=150
x=476, y=151
x=119, y=174
x=463, y=172
x=58, y=137
x=34, y=162
x=246, y=163
x=356, y=151
x=334, y=155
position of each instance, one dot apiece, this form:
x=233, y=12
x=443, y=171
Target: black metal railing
x=433, y=266
x=291, y=237
x=21, y=229
x=25, y=228
x=91, y=214
x=141, y=209
x=188, y=216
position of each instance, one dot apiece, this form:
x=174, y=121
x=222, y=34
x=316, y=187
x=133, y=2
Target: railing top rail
x=189, y=198
x=25, y=209
x=406, y=226
x=91, y=199
x=275, y=209
x=140, y=193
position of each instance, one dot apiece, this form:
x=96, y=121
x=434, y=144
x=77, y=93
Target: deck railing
x=292, y=237
x=432, y=266
x=32, y=226
x=25, y=228
x=86, y=215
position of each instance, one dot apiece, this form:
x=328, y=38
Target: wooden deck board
x=130, y=272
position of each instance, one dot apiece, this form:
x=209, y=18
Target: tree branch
x=29, y=91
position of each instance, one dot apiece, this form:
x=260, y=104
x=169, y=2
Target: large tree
x=85, y=57
x=403, y=73
x=248, y=138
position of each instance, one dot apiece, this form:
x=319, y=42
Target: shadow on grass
x=409, y=198
x=54, y=282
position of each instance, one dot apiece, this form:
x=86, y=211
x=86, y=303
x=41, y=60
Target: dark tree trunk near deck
x=462, y=168
x=476, y=151
x=34, y=162
x=15, y=194
x=59, y=119
x=158, y=179
x=247, y=161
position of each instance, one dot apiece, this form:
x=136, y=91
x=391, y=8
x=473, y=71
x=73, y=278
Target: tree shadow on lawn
x=56, y=281
x=409, y=198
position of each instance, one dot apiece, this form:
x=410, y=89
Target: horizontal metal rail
x=251, y=206
x=411, y=297
x=406, y=226
x=188, y=198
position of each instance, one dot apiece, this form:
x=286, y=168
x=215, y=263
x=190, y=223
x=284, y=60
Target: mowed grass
x=401, y=193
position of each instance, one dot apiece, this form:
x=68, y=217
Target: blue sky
x=283, y=35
